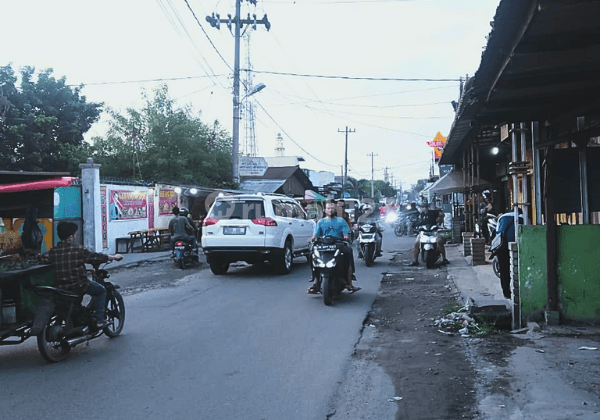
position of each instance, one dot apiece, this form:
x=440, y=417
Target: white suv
x=255, y=228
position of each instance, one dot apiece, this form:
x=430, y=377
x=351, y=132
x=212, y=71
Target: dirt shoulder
x=403, y=353
x=431, y=375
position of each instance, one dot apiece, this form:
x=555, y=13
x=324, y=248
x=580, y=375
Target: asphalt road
x=247, y=345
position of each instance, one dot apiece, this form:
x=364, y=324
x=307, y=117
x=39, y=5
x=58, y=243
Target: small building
x=288, y=180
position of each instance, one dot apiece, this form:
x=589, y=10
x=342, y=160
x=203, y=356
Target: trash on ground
x=540, y=351
x=588, y=348
x=394, y=399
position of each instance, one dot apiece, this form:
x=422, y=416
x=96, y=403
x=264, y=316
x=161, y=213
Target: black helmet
x=183, y=211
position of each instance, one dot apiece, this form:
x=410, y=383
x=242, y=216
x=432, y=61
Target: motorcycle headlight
x=331, y=263
x=317, y=262
x=391, y=217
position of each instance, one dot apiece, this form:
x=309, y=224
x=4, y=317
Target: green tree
x=166, y=143
x=419, y=186
x=41, y=120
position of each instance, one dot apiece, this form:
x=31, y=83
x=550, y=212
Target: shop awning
x=311, y=195
x=37, y=185
x=453, y=182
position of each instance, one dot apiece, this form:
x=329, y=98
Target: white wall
x=121, y=228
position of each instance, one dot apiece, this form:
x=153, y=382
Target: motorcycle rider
x=428, y=217
x=68, y=261
x=331, y=225
x=372, y=218
x=485, y=207
x=179, y=226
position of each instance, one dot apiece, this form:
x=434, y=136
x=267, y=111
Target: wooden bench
x=128, y=244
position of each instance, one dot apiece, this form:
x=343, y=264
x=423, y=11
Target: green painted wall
x=578, y=270
x=533, y=281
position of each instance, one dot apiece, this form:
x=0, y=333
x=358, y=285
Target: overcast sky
x=135, y=40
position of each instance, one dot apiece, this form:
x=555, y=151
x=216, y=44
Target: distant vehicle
x=255, y=228
x=352, y=205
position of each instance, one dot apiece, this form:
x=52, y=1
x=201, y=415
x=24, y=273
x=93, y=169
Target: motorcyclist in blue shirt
x=331, y=225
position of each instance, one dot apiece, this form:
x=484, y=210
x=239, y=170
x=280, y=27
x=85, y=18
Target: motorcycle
x=328, y=265
x=404, y=226
x=184, y=255
x=369, y=242
x=62, y=321
x=430, y=251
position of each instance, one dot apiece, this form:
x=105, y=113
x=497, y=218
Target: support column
x=91, y=210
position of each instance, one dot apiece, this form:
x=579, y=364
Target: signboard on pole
x=253, y=166
x=437, y=143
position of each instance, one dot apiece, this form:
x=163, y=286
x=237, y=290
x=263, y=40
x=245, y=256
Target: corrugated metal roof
x=542, y=61
x=261, y=185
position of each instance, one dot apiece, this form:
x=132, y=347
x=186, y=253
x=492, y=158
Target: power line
x=290, y=137
x=205, y=33
x=164, y=79
x=189, y=37
x=321, y=76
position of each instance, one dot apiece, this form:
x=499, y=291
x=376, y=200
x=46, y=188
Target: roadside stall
x=30, y=205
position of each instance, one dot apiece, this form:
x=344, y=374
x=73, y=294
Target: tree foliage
x=164, y=143
x=362, y=188
x=41, y=121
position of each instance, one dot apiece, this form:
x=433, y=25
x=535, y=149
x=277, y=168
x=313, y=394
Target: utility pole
x=345, y=157
x=215, y=22
x=372, y=174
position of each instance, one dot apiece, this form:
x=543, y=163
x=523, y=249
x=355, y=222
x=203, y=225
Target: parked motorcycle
x=184, y=254
x=369, y=242
x=62, y=322
x=329, y=272
x=430, y=252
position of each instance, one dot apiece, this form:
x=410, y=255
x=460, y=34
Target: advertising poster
x=167, y=199
x=127, y=204
x=104, y=215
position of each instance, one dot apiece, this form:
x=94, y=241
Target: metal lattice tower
x=249, y=142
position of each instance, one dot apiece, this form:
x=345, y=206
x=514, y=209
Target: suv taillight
x=208, y=222
x=264, y=221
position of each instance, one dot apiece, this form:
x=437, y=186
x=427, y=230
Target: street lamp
x=235, y=143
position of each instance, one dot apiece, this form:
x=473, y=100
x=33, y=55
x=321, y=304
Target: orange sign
x=438, y=141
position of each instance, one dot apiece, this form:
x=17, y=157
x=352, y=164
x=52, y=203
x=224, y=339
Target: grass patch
x=483, y=329
x=451, y=307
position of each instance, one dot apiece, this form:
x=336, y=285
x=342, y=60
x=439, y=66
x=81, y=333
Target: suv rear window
x=237, y=209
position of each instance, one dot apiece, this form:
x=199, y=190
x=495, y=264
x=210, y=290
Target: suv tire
x=283, y=264
x=219, y=267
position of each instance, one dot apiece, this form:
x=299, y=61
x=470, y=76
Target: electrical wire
x=187, y=34
x=290, y=137
x=208, y=37
x=322, y=76
x=164, y=79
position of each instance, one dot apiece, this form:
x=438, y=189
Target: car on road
x=255, y=228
